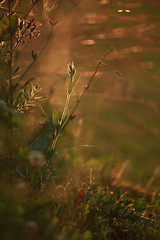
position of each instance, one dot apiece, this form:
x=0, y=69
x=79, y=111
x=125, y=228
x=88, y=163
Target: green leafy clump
x=85, y=213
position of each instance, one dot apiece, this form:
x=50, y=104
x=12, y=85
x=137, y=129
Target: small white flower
x=36, y=158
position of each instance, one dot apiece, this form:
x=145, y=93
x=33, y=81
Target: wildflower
x=36, y=158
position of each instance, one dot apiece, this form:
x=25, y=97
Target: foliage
x=19, y=96
x=86, y=213
x=36, y=200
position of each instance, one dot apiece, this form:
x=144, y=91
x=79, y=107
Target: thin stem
x=11, y=55
x=31, y=8
x=26, y=83
x=19, y=40
x=90, y=81
x=65, y=108
x=34, y=3
x=29, y=67
x=62, y=118
x=55, y=141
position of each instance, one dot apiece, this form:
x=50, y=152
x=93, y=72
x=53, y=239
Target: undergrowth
x=40, y=198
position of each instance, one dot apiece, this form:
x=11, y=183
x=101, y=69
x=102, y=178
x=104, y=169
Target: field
x=79, y=120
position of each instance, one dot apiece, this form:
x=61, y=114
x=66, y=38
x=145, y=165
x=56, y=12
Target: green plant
x=37, y=200
x=23, y=96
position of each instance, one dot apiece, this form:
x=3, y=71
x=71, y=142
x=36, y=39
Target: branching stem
x=31, y=8
x=29, y=67
x=100, y=63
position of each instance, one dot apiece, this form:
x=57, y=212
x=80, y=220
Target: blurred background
x=118, y=121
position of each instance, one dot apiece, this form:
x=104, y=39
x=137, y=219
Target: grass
x=77, y=208
x=50, y=192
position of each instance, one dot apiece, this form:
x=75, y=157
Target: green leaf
x=45, y=137
x=6, y=31
x=55, y=118
x=140, y=206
